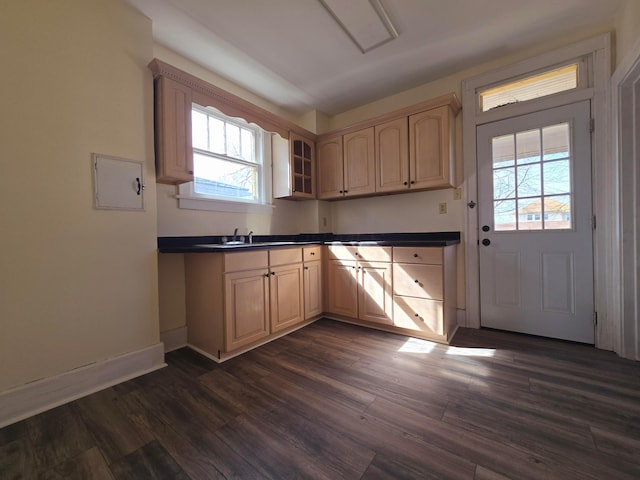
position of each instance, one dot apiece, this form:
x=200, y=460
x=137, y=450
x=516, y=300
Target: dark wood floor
x=339, y=401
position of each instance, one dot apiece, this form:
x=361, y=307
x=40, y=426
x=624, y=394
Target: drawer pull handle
x=312, y=253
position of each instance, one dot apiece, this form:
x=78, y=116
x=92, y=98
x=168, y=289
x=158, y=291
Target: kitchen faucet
x=235, y=234
x=250, y=236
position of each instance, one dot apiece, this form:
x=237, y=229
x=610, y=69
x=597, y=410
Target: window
x=228, y=163
x=532, y=179
x=531, y=87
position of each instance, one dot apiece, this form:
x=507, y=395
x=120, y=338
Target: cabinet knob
x=306, y=268
x=312, y=253
x=190, y=172
x=346, y=191
x=415, y=255
x=340, y=191
x=417, y=281
x=273, y=273
x=406, y=183
x=412, y=182
x=266, y=274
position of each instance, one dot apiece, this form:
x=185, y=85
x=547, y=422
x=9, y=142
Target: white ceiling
x=294, y=54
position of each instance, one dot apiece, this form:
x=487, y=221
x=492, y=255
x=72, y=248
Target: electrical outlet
x=442, y=208
x=457, y=193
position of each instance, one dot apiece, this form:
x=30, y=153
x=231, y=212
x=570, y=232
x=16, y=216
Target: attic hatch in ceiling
x=365, y=22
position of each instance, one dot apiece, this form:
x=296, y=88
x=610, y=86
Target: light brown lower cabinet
x=359, y=283
x=375, y=296
x=246, y=308
x=286, y=293
x=238, y=300
x=413, y=293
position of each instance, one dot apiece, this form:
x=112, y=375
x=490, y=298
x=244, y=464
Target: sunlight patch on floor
x=415, y=345
x=471, y=352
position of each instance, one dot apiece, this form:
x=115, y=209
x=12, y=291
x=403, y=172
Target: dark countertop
x=210, y=244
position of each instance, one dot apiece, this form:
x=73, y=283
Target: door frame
x=625, y=105
x=597, y=52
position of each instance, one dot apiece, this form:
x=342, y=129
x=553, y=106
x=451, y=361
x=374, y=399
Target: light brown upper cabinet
x=174, y=154
x=412, y=149
x=392, y=155
x=359, y=163
x=431, y=159
x=346, y=165
x=294, y=167
x=330, y=168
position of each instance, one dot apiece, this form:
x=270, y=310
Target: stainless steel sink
x=231, y=245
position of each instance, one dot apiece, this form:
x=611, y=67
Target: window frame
x=188, y=198
x=582, y=82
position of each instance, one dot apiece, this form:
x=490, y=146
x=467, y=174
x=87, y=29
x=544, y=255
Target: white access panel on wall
x=118, y=183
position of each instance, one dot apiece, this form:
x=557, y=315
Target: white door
x=535, y=219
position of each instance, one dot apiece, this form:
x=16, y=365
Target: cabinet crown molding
x=209, y=95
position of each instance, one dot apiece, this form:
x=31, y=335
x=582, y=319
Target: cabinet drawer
x=310, y=254
x=417, y=280
x=425, y=255
x=419, y=314
x=341, y=252
x=373, y=254
x=366, y=254
x=284, y=256
x=238, y=261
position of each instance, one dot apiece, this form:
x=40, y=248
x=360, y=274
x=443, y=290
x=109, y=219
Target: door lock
x=486, y=242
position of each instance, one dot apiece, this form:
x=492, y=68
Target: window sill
x=193, y=203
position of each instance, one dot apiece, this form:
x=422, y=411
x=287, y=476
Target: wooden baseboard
x=174, y=339
x=230, y=355
x=27, y=400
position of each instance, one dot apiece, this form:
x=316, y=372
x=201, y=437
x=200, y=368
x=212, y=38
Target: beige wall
x=77, y=285
x=627, y=24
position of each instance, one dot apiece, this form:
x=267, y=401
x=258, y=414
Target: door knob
x=486, y=242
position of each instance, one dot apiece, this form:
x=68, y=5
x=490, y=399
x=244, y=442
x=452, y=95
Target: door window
x=532, y=179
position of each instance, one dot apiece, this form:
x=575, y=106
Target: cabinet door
x=246, y=308
x=359, y=163
x=431, y=149
x=286, y=296
x=312, y=276
x=330, y=172
x=303, y=164
x=375, y=295
x=343, y=288
x=174, y=153
x=392, y=155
